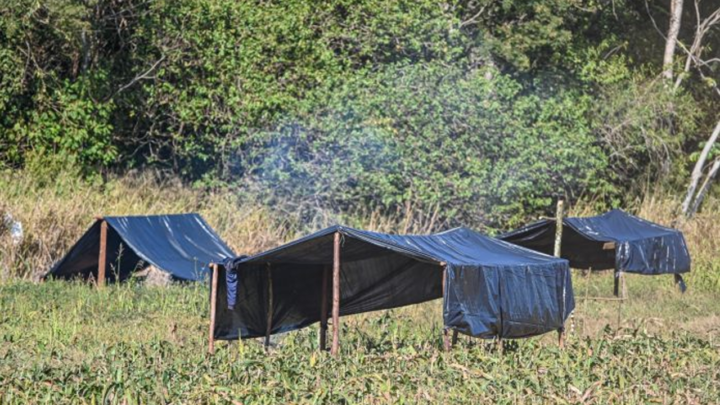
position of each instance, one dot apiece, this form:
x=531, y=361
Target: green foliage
x=480, y=112
x=477, y=146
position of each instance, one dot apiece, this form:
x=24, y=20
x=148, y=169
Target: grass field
x=68, y=343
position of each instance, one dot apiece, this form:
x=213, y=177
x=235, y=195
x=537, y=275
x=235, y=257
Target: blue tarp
x=182, y=245
x=492, y=288
x=614, y=240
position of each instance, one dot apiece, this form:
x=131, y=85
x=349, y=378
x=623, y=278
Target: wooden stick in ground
x=446, y=340
x=213, y=308
x=454, y=338
x=557, y=252
x=268, y=329
x=561, y=339
x=102, y=256
x=336, y=296
x=324, y=308
x=616, y=285
x=558, y=228
x=587, y=295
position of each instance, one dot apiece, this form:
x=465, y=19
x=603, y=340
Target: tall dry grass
x=55, y=207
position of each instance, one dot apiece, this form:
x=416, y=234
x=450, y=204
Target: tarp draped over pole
x=183, y=245
x=614, y=240
x=492, y=288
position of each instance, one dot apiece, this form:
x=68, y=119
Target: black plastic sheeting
x=641, y=246
x=182, y=245
x=493, y=288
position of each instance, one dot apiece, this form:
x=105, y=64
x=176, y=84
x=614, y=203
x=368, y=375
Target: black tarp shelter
x=181, y=244
x=614, y=240
x=490, y=288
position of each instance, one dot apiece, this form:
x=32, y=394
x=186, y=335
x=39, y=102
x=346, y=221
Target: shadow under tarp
x=492, y=288
x=182, y=244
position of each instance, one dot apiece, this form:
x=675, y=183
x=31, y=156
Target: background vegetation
x=475, y=112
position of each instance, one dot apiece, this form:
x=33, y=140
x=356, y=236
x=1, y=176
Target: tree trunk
x=697, y=171
x=671, y=41
x=705, y=187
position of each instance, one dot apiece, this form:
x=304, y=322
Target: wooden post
x=557, y=253
x=499, y=345
x=454, y=338
x=446, y=338
x=336, y=296
x=324, y=308
x=102, y=256
x=616, y=287
x=558, y=228
x=268, y=329
x=213, y=307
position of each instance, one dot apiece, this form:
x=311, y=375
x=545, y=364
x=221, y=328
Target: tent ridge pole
x=336, y=295
x=213, y=308
x=102, y=255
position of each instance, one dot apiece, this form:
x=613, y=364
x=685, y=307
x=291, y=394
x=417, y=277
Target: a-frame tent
x=114, y=247
x=614, y=240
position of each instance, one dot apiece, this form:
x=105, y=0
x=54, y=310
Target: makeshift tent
x=490, y=288
x=614, y=240
x=182, y=245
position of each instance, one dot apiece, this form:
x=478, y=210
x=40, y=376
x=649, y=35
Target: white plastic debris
x=15, y=227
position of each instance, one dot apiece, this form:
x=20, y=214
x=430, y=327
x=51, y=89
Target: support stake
x=446, y=339
x=558, y=228
x=213, y=308
x=270, y=307
x=336, y=295
x=102, y=257
x=557, y=253
x=616, y=286
x=324, y=309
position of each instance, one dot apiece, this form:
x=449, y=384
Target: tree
x=672, y=36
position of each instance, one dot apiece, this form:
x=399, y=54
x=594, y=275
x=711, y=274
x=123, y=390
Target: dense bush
x=476, y=112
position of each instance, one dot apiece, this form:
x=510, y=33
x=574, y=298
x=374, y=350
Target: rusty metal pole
x=557, y=253
x=336, y=296
x=324, y=309
x=102, y=256
x=268, y=329
x=213, y=308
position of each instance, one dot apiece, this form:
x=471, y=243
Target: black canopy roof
x=181, y=244
x=492, y=287
x=614, y=240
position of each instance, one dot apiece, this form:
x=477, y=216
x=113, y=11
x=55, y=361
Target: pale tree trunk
x=671, y=41
x=698, y=170
x=705, y=187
